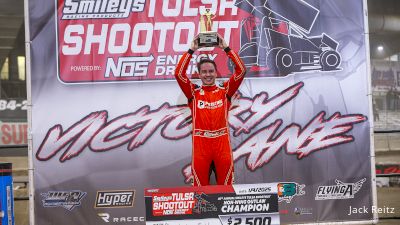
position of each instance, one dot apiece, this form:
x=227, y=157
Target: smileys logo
x=98, y=9
x=209, y=105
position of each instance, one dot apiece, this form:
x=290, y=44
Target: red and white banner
x=134, y=40
x=225, y=205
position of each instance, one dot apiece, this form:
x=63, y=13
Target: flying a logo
x=339, y=191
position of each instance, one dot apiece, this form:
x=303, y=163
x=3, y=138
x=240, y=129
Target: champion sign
x=339, y=191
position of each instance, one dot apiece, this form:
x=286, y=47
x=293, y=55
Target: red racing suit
x=210, y=135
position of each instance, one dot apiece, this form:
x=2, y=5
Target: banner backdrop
x=108, y=118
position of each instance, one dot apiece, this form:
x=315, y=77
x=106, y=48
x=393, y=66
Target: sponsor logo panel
x=288, y=190
x=265, y=188
x=339, y=191
x=209, y=105
x=210, y=133
x=302, y=211
x=108, y=218
x=176, y=204
x=241, y=205
x=115, y=199
x=66, y=199
x=97, y=9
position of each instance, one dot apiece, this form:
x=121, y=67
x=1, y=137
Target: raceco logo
x=114, y=199
x=106, y=217
x=98, y=9
x=339, y=191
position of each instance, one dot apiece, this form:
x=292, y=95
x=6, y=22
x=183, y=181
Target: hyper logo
x=97, y=9
x=115, y=199
x=286, y=191
x=66, y=199
x=209, y=105
x=339, y=191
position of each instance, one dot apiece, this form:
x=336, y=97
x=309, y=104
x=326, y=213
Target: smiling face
x=207, y=73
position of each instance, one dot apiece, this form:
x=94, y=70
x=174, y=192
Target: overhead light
x=380, y=48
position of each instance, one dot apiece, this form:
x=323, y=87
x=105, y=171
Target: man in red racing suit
x=209, y=106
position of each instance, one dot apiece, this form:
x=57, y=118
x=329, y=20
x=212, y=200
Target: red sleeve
x=181, y=77
x=236, y=79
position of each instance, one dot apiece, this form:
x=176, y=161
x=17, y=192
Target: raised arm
x=236, y=79
x=181, y=77
x=180, y=71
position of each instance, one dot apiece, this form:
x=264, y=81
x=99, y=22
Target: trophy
x=207, y=37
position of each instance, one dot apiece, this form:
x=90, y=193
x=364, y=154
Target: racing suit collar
x=209, y=87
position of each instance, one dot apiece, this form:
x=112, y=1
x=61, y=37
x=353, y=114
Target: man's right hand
x=195, y=43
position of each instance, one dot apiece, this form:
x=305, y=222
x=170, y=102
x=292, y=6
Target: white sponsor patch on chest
x=209, y=105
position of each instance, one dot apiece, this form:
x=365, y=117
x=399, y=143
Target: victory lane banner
x=251, y=204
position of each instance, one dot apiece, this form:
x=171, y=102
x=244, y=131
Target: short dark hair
x=205, y=60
